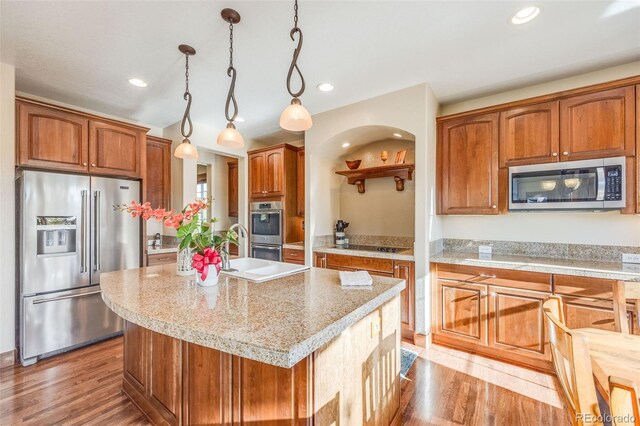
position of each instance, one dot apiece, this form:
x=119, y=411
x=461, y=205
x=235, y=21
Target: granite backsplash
x=535, y=249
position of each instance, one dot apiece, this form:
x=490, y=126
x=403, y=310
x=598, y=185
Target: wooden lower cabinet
x=354, y=379
x=403, y=269
x=516, y=322
x=161, y=259
x=498, y=312
x=293, y=256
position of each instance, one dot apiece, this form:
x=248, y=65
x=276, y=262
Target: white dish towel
x=355, y=279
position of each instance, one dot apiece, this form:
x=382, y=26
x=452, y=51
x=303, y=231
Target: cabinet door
x=462, y=311
x=516, y=322
x=530, y=135
x=115, y=150
x=52, y=139
x=158, y=173
x=257, y=175
x=165, y=376
x=469, y=165
x=405, y=270
x=233, y=189
x=300, y=183
x=598, y=124
x=587, y=313
x=135, y=355
x=274, y=172
x=319, y=260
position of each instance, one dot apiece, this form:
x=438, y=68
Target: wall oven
x=572, y=185
x=267, y=230
x=266, y=223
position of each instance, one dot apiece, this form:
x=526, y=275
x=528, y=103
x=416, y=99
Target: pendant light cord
x=296, y=53
x=186, y=119
x=231, y=72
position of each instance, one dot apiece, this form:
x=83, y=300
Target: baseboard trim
x=7, y=359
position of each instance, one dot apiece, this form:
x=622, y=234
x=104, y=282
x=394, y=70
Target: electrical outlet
x=630, y=258
x=631, y=267
x=484, y=249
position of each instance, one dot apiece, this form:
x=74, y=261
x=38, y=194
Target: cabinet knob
x=84, y=164
x=483, y=293
x=555, y=154
x=93, y=164
x=565, y=153
x=493, y=206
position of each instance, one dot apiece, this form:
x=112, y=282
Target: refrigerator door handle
x=84, y=234
x=71, y=296
x=96, y=231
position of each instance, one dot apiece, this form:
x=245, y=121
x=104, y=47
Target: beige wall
x=412, y=110
x=381, y=210
x=610, y=228
x=7, y=212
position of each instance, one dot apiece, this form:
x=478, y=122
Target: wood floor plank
x=83, y=387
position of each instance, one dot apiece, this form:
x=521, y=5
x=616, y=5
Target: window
x=201, y=193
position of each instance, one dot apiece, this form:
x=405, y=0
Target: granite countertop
x=278, y=322
x=402, y=255
x=162, y=249
x=578, y=267
x=294, y=246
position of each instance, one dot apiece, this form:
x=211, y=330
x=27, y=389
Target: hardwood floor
x=444, y=387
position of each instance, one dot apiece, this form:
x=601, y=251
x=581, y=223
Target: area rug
x=407, y=359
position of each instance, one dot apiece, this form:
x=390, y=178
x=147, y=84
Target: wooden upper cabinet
x=115, y=149
x=256, y=175
x=530, y=134
x=232, y=196
x=158, y=172
x=468, y=177
x=300, y=182
x=274, y=172
x=600, y=124
x=51, y=138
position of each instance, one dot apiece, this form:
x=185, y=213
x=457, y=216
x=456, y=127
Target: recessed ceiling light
x=325, y=87
x=346, y=145
x=397, y=135
x=525, y=15
x=239, y=119
x=137, y=82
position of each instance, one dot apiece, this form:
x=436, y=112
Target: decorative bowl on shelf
x=354, y=164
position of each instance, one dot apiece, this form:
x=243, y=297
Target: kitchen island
x=295, y=350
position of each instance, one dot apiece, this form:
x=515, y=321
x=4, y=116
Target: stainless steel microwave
x=570, y=185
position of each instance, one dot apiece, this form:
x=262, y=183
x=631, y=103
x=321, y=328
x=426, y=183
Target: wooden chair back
x=570, y=355
x=623, y=401
x=622, y=293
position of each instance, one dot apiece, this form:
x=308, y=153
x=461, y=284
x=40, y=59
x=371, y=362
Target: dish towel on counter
x=355, y=279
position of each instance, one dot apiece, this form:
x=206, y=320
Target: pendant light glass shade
x=295, y=117
x=230, y=137
x=186, y=151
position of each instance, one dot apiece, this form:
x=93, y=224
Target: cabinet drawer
x=293, y=255
x=594, y=288
x=593, y=313
x=524, y=280
x=161, y=259
x=372, y=264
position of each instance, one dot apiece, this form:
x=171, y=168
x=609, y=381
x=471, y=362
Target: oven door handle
x=266, y=247
x=601, y=184
x=266, y=212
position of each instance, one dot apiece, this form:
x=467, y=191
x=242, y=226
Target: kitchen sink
x=261, y=270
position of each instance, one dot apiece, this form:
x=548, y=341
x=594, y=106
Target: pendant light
x=295, y=117
x=186, y=150
x=230, y=137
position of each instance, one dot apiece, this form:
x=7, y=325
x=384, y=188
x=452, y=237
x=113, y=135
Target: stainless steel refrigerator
x=68, y=235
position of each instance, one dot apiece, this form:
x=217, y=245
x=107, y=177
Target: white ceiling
x=82, y=53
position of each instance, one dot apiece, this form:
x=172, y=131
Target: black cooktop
x=372, y=248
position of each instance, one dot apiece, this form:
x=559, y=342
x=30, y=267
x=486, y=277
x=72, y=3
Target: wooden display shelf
x=399, y=172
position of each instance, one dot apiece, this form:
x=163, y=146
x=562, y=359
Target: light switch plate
x=484, y=249
x=630, y=258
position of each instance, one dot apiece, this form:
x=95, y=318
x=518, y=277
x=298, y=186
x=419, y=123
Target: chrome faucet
x=226, y=265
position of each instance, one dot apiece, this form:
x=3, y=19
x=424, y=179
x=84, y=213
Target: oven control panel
x=613, y=183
